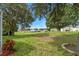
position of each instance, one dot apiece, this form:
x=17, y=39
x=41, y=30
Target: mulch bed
x=8, y=49
x=71, y=48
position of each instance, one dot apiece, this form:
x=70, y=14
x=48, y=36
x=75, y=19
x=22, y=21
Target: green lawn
x=39, y=43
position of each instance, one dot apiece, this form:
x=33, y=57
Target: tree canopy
x=16, y=14
x=61, y=16
x=57, y=15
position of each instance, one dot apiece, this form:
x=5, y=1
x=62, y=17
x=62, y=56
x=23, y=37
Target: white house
x=70, y=28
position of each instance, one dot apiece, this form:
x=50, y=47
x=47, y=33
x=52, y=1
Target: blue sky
x=39, y=23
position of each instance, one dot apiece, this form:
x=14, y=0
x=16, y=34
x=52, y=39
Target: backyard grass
x=41, y=43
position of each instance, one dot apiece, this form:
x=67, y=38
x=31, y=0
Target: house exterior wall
x=69, y=29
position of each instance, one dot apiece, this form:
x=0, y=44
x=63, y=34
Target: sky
x=36, y=24
x=39, y=23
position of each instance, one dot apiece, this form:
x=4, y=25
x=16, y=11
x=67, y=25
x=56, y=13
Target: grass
x=34, y=44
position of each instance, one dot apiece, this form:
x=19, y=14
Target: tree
x=61, y=16
x=57, y=15
x=76, y=6
x=16, y=14
x=40, y=10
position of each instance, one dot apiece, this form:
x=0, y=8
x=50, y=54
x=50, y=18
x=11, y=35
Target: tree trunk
x=50, y=7
x=49, y=29
x=59, y=29
x=10, y=33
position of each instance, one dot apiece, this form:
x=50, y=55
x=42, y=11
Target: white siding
x=69, y=29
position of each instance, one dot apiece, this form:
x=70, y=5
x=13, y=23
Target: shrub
x=8, y=47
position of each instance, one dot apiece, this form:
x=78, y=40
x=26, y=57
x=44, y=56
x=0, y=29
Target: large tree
x=14, y=14
x=57, y=15
x=41, y=9
x=76, y=6
x=61, y=16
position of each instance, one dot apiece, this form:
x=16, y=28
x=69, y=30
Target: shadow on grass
x=29, y=35
x=23, y=49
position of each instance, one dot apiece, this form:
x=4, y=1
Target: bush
x=8, y=47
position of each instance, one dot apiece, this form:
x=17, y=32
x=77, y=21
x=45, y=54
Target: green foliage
x=62, y=15
x=30, y=44
x=14, y=14
x=40, y=9
x=57, y=15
